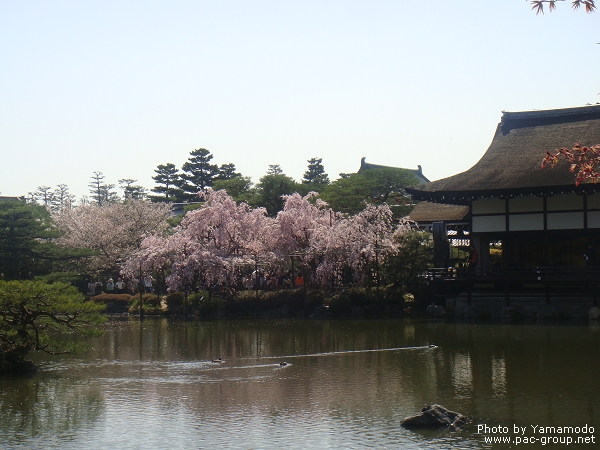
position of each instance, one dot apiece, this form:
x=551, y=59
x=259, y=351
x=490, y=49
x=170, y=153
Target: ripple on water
x=346, y=385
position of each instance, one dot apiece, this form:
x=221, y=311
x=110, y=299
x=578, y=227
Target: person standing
x=120, y=286
x=132, y=286
x=110, y=286
x=91, y=288
x=148, y=284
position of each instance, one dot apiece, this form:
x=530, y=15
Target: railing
x=543, y=281
x=529, y=274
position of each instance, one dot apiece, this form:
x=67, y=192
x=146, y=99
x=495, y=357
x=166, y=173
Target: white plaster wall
x=565, y=201
x=526, y=222
x=565, y=221
x=593, y=201
x=526, y=204
x=593, y=219
x=489, y=223
x=488, y=206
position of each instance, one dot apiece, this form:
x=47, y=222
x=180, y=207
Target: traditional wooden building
x=418, y=172
x=539, y=215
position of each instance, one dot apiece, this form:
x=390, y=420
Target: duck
x=217, y=360
x=432, y=346
x=283, y=364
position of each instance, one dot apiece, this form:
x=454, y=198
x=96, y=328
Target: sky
x=120, y=87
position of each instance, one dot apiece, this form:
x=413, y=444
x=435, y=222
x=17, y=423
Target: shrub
x=341, y=303
x=414, y=257
x=369, y=300
x=175, y=300
x=285, y=302
x=244, y=302
x=115, y=303
x=111, y=298
x=196, y=299
x=150, y=302
x=207, y=305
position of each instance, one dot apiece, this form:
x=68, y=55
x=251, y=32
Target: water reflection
x=347, y=384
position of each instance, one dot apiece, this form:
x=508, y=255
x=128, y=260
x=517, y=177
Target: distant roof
x=512, y=163
x=426, y=212
x=364, y=165
x=12, y=199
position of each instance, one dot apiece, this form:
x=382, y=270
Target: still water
x=347, y=384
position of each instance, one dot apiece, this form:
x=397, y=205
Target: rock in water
x=435, y=416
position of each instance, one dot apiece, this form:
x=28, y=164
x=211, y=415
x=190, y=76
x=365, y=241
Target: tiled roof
x=418, y=172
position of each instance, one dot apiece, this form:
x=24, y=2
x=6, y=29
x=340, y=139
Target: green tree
x=376, y=186
x=198, y=173
x=388, y=184
x=34, y=315
x=227, y=171
x=44, y=196
x=413, y=257
x=26, y=233
x=315, y=174
x=131, y=190
x=274, y=169
x=101, y=192
x=240, y=188
x=62, y=198
x=168, y=181
x=271, y=188
x=347, y=194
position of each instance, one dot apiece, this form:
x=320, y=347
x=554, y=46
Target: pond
x=346, y=384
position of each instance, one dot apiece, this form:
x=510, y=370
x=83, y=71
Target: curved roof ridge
x=561, y=112
x=512, y=163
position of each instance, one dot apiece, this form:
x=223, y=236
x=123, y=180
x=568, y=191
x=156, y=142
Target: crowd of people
x=258, y=279
x=121, y=286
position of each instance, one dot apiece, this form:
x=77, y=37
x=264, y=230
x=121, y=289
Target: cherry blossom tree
x=114, y=230
x=210, y=245
x=215, y=242
x=329, y=242
x=360, y=242
x=301, y=220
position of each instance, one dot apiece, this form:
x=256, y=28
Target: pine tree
x=101, y=192
x=43, y=195
x=198, y=173
x=227, y=171
x=38, y=316
x=26, y=233
x=131, y=190
x=62, y=198
x=168, y=181
x=315, y=173
x=274, y=169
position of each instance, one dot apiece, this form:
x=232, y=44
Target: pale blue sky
x=122, y=86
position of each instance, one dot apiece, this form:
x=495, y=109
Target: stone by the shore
x=435, y=416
